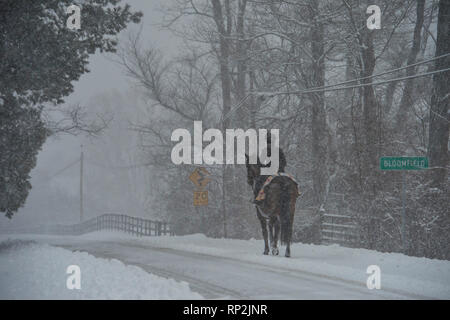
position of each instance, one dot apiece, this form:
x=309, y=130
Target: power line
x=64, y=169
x=238, y=106
x=322, y=88
x=271, y=94
x=382, y=73
x=129, y=167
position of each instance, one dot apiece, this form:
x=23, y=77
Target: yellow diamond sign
x=200, y=177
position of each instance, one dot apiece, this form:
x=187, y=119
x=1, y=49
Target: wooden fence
x=132, y=225
x=339, y=229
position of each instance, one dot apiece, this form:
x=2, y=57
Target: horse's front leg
x=263, y=222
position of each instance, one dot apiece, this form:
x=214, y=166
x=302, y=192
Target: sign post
x=403, y=164
x=200, y=178
x=404, y=242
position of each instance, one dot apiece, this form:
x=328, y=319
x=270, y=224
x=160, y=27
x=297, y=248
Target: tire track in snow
x=209, y=288
x=301, y=274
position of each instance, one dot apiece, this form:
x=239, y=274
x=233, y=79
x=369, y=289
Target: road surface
x=226, y=278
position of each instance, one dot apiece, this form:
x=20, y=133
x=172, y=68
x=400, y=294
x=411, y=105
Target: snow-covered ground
x=421, y=276
x=240, y=269
x=30, y=270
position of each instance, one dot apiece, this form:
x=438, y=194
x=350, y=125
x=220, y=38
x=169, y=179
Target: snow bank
x=29, y=270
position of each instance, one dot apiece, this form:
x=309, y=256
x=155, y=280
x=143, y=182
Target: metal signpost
x=200, y=178
x=403, y=164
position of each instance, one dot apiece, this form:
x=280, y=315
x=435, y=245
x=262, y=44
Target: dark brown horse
x=277, y=208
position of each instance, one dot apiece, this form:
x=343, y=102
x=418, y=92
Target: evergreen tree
x=22, y=134
x=39, y=59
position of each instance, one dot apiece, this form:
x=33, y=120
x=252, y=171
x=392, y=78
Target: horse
x=277, y=208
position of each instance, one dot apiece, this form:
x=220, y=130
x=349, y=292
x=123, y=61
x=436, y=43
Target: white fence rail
x=132, y=225
x=339, y=229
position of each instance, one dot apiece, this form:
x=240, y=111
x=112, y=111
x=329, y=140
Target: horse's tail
x=285, y=216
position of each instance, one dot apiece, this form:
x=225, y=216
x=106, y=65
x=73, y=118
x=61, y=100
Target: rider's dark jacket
x=281, y=161
x=281, y=166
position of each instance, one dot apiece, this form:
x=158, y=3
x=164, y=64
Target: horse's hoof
x=275, y=251
x=287, y=255
x=266, y=252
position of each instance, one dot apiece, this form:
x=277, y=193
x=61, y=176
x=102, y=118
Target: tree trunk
x=318, y=125
x=224, y=55
x=241, y=114
x=370, y=111
x=223, y=23
x=439, y=111
x=407, y=99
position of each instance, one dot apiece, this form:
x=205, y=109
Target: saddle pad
x=262, y=195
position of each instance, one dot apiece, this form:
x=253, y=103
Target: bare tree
x=407, y=101
x=440, y=100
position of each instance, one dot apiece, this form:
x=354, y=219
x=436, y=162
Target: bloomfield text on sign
x=403, y=163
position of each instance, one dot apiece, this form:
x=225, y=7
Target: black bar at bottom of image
x=226, y=309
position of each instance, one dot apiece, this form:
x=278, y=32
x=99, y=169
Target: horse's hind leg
x=291, y=214
x=287, y=254
x=263, y=222
x=274, y=228
x=277, y=234
x=271, y=232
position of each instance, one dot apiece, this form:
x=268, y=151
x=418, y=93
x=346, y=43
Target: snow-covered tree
x=39, y=59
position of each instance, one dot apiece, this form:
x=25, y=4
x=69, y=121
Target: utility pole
x=81, y=184
x=403, y=232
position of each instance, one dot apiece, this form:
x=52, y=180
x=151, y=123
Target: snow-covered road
x=225, y=278
x=235, y=269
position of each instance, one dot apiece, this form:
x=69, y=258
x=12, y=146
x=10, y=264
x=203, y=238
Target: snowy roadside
x=30, y=270
x=418, y=276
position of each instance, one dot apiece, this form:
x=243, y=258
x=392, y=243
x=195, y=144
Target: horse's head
x=253, y=170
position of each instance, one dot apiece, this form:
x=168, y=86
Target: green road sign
x=403, y=163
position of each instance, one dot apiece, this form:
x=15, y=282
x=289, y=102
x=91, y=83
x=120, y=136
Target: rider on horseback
x=268, y=150
x=282, y=164
x=275, y=197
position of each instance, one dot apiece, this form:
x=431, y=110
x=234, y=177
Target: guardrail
x=132, y=225
x=339, y=229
